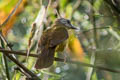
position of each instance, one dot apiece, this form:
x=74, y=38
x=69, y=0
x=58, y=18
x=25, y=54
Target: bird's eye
x=68, y=21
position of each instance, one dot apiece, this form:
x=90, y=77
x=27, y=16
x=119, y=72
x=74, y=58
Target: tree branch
x=5, y=61
x=11, y=14
x=11, y=57
x=61, y=60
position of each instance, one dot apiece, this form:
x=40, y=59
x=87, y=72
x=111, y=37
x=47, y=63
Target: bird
x=50, y=42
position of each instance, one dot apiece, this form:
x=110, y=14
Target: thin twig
x=88, y=65
x=93, y=57
x=21, y=66
x=17, y=68
x=7, y=67
x=60, y=60
x=99, y=28
x=17, y=53
x=5, y=61
x=109, y=2
x=17, y=62
x=11, y=14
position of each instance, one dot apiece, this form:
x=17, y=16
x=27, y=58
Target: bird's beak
x=73, y=27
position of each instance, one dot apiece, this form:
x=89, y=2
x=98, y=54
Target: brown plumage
x=50, y=39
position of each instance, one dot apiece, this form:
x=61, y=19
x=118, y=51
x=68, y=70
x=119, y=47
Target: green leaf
x=97, y=4
x=62, y=3
x=69, y=11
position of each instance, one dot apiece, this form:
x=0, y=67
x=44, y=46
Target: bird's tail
x=45, y=59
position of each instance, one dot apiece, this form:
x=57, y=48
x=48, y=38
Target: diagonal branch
x=11, y=14
x=115, y=8
x=12, y=58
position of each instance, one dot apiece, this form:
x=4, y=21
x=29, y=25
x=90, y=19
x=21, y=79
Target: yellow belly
x=61, y=47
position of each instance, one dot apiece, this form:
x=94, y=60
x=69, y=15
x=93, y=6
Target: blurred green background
x=98, y=23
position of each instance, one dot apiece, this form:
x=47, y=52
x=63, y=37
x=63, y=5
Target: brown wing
x=44, y=40
x=46, y=53
x=58, y=36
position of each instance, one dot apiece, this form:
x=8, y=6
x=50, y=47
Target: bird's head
x=62, y=22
